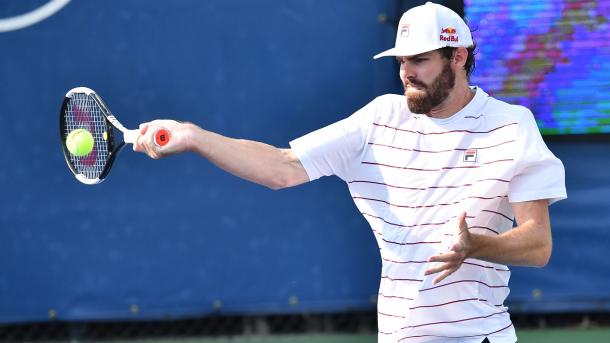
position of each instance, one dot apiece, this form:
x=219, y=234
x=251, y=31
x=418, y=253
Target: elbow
x=289, y=172
x=281, y=180
x=278, y=182
x=543, y=246
x=275, y=186
x=544, y=255
x=542, y=261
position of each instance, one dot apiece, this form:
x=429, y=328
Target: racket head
x=82, y=108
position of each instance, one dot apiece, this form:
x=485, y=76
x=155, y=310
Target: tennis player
x=438, y=172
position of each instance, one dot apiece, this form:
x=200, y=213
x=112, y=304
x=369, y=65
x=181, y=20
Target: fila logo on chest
x=470, y=155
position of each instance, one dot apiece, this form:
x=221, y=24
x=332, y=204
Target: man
x=439, y=174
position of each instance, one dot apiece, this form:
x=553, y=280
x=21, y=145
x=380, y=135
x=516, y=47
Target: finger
x=154, y=150
x=438, y=268
x=137, y=146
x=443, y=276
x=143, y=143
x=446, y=257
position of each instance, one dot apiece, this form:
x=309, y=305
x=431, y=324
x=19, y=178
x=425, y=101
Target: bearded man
x=439, y=173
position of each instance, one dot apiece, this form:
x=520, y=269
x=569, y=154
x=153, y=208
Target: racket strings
x=82, y=112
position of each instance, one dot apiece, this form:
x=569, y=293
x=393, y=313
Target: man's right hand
x=179, y=138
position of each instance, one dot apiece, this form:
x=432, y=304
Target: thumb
x=462, y=225
x=137, y=146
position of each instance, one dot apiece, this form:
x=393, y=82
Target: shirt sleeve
x=538, y=173
x=333, y=149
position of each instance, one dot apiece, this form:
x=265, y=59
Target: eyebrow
x=414, y=57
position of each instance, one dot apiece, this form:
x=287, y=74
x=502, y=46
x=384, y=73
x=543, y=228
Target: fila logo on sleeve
x=470, y=155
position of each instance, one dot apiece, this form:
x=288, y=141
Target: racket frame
x=110, y=122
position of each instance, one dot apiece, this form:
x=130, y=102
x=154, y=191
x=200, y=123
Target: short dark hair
x=448, y=51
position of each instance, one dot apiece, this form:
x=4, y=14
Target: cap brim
x=384, y=54
x=403, y=51
x=411, y=51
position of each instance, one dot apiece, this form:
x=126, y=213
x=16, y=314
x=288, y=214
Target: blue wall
x=578, y=276
x=177, y=237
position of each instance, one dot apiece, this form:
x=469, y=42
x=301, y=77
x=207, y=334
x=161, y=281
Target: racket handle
x=161, y=136
x=130, y=136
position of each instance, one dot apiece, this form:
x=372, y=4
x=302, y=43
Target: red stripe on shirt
x=410, y=243
x=401, y=225
x=428, y=206
x=438, y=151
x=454, y=282
x=403, y=262
x=415, y=225
x=392, y=279
x=444, y=132
x=390, y=315
x=484, y=228
x=394, y=297
x=438, y=169
x=445, y=304
x=488, y=267
x=465, y=262
x=502, y=214
x=454, y=321
x=426, y=188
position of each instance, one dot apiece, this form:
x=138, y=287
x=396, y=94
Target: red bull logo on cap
x=449, y=34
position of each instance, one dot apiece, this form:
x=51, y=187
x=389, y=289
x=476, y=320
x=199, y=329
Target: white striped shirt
x=410, y=176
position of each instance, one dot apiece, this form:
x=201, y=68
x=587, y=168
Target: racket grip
x=130, y=136
x=161, y=137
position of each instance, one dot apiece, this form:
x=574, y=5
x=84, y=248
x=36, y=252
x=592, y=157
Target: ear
x=460, y=55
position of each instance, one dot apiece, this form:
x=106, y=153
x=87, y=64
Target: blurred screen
x=551, y=56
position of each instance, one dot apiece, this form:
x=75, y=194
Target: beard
x=423, y=100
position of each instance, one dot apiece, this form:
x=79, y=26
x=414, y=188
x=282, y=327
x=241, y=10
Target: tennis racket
x=82, y=108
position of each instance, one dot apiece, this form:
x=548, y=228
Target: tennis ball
x=79, y=142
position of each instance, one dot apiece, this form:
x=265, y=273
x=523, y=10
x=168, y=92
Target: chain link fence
x=212, y=326
x=362, y=323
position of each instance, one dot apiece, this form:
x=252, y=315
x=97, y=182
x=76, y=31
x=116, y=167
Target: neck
x=457, y=99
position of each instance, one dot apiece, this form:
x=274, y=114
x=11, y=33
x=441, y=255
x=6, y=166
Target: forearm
x=528, y=244
x=254, y=161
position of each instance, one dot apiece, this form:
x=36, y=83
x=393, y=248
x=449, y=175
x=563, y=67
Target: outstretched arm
x=254, y=161
x=528, y=244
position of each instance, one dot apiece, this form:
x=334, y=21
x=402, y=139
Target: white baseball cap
x=429, y=27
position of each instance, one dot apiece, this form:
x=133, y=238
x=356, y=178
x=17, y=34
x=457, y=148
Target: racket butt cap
x=161, y=137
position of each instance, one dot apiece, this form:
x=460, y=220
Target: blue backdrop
x=177, y=237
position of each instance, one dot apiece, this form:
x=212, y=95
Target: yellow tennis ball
x=79, y=142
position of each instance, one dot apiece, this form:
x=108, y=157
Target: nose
x=407, y=71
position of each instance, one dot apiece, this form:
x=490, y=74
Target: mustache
x=415, y=83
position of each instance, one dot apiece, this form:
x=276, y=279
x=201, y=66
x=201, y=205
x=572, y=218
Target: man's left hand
x=452, y=260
